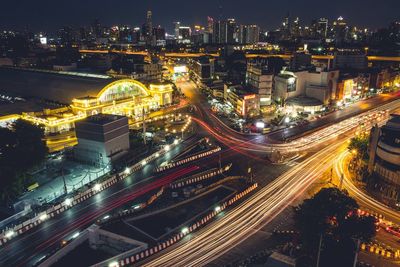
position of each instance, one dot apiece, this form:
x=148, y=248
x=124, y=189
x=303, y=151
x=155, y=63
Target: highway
x=238, y=224
x=364, y=200
x=24, y=250
x=241, y=222
x=255, y=212
x=335, y=123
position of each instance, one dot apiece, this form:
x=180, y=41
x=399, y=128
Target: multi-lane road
x=228, y=231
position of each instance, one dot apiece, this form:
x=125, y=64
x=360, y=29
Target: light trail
x=242, y=221
x=362, y=198
x=311, y=140
x=246, y=219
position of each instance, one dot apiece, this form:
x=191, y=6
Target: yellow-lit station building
x=123, y=97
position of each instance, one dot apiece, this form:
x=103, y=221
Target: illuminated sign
x=180, y=69
x=247, y=97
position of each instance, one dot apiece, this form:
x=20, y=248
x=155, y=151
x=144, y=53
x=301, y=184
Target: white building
x=101, y=139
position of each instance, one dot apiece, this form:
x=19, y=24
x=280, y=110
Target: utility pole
x=319, y=250
x=63, y=177
x=356, y=254
x=144, y=127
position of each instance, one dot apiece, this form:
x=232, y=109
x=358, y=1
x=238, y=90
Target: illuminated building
x=123, y=97
x=261, y=81
x=249, y=34
x=384, y=161
x=340, y=30
x=350, y=59
x=224, y=31
x=244, y=103
x=307, y=90
x=102, y=138
x=202, y=69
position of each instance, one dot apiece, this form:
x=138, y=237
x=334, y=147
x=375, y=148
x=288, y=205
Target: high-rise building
x=285, y=27
x=210, y=24
x=149, y=22
x=177, y=24
x=249, y=34
x=96, y=29
x=159, y=33
x=184, y=34
x=224, y=32
x=148, y=29
x=295, y=28
x=322, y=27
x=340, y=30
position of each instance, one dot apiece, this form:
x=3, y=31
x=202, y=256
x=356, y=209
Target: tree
x=359, y=144
x=332, y=215
x=21, y=148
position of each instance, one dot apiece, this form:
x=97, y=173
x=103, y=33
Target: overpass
x=195, y=54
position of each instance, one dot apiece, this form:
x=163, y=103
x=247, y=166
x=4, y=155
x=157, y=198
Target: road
x=243, y=221
x=24, y=250
x=260, y=209
x=337, y=123
x=240, y=223
x=367, y=202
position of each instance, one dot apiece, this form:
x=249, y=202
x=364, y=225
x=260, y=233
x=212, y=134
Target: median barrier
x=10, y=233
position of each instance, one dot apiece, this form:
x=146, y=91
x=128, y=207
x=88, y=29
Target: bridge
x=252, y=55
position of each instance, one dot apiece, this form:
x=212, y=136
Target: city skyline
x=47, y=16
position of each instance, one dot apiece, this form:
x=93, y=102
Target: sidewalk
x=51, y=184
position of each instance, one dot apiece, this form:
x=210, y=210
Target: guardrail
x=189, y=159
x=11, y=233
x=199, y=177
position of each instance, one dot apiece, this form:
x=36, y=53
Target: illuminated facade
x=126, y=97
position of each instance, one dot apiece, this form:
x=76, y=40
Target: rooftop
x=102, y=119
x=55, y=87
x=304, y=101
x=394, y=122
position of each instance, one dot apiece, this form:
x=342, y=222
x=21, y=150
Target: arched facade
x=122, y=89
x=125, y=97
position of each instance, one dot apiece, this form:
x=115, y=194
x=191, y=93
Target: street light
x=167, y=148
x=75, y=235
x=127, y=170
x=185, y=231
x=218, y=209
x=260, y=125
x=10, y=234
x=113, y=264
x=43, y=217
x=68, y=202
x=97, y=187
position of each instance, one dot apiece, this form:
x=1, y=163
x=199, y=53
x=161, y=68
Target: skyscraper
x=149, y=23
x=340, y=30
x=249, y=34
x=322, y=27
x=224, y=32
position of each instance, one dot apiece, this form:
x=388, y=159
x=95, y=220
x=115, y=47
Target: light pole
x=144, y=126
x=319, y=250
x=356, y=253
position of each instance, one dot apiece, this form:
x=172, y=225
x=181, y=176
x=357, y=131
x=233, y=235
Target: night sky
x=49, y=15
